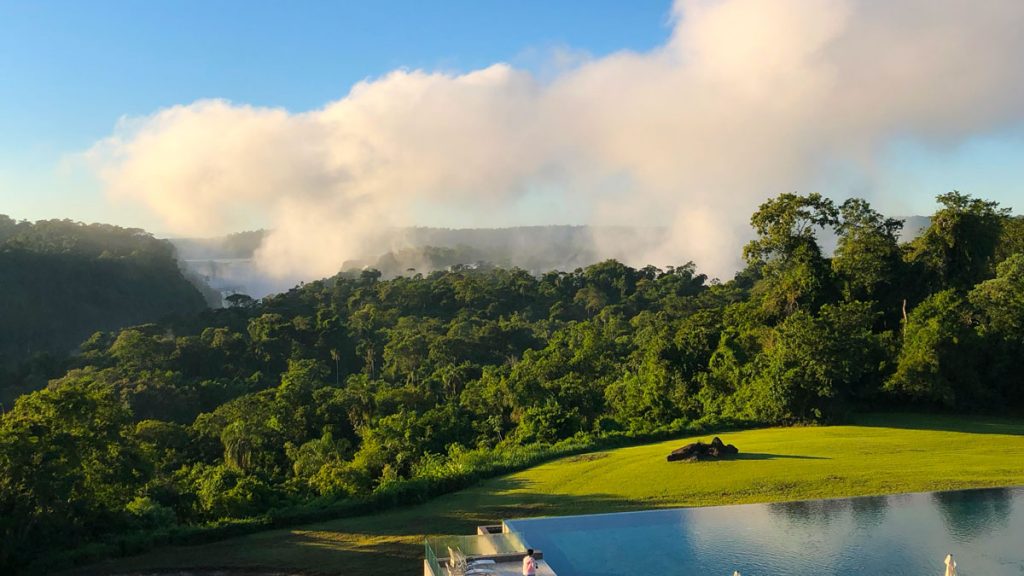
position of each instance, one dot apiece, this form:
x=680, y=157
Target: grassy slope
x=882, y=454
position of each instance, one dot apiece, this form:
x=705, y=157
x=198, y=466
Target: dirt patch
x=587, y=457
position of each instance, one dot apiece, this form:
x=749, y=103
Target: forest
x=360, y=391
x=62, y=280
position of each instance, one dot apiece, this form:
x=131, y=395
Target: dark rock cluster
x=702, y=451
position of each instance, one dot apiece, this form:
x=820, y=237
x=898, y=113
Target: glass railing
x=439, y=547
x=435, y=568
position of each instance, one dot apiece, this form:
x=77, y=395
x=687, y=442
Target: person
x=950, y=565
x=529, y=563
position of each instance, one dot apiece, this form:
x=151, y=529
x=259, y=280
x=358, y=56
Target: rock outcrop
x=701, y=451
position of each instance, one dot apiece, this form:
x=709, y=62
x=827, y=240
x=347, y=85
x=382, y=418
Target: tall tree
x=958, y=249
x=794, y=273
x=867, y=259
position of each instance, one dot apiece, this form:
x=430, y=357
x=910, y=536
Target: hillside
x=881, y=454
x=62, y=281
x=359, y=388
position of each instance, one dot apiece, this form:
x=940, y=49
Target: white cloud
x=749, y=98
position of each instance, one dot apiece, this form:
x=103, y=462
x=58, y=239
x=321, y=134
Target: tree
x=868, y=257
x=937, y=362
x=296, y=414
x=408, y=348
x=310, y=457
x=271, y=337
x=226, y=492
x=958, y=249
x=68, y=464
x=999, y=303
x=238, y=300
x=1012, y=240
x=651, y=391
x=1000, y=300
x=786, y=252
x=812, y=366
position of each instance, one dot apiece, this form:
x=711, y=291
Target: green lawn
x=880, y=455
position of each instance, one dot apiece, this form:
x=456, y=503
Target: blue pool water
x=899, y=535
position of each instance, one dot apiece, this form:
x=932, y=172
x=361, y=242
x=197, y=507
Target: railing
x=481, y=546
x=435, y=568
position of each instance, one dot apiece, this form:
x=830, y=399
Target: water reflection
x=869, y=512
x=821, y=512
x=865, y=512
x=901, y=535
x=969, y=514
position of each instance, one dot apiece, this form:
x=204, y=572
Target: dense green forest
x=61, y=281
x=356, y=386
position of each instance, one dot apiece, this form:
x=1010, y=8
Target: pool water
x=898, y=535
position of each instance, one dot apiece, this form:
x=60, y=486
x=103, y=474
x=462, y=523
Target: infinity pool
x=899, y=535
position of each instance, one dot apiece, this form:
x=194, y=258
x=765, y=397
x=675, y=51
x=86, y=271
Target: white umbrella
x=950, y=565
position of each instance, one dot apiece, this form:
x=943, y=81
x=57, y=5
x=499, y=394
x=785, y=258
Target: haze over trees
x=230, y=263
x=356, y=387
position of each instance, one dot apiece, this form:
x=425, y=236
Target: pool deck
x=516, y=569
x=501, y=551
x=501, y=567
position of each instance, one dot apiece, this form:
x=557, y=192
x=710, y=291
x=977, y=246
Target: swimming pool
x=898, y=535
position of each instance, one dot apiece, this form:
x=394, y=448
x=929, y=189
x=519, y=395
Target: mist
x=747, y=99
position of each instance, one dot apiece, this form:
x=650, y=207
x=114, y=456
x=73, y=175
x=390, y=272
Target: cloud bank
x=747, y=99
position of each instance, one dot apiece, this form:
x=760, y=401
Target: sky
x=328, y=121
x=70, y=70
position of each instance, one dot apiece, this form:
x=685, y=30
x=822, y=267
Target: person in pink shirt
x=529, y=563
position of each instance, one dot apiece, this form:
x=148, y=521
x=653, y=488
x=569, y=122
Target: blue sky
x=69, y=70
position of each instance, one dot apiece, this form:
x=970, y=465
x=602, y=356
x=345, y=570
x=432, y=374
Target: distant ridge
x=63, y=280
x=224, y=262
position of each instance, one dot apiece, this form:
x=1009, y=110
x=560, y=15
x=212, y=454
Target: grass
x=881, y=454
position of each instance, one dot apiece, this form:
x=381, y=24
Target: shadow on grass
x=382, y=544
x=765, y=456
x=943, y=422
